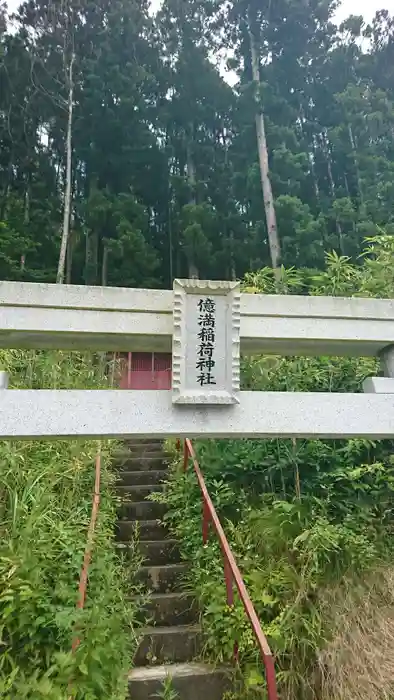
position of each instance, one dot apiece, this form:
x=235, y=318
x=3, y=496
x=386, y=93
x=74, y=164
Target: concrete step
x=128, y=462
x=142, y=529
x=191, y=681
x=154, y=476
x=166, y=578
x=138, y=492
x=168, y=645
x=149, y=453
x=142, y=510
x=144, y=441
x=158, y=552
x=169, y=609
x=143, y=447
x=155, y=552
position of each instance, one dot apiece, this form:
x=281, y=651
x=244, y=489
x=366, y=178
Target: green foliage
x=45, y=506
x=156, y=126
x=305, y=518
x=167, y=691
x=12, y=247
x=121, y=223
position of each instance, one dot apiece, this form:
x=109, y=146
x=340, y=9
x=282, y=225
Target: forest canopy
x=119, y=136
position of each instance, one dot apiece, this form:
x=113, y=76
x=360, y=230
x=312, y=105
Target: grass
x=316, y=565
x=45, y=504
x=357, y=663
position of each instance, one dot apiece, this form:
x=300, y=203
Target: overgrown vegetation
x=310, y=521
x=46, y=493
x=167, y=691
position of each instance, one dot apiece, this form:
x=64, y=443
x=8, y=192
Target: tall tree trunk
x=91, y=257
x=169, y=215
x=104, y=276
x=94, y=251
x=170, y=241
x=6, y=192
x=67, y=192
x=69, y=257
x=327, y=155
x=269, y=206
x=355, y=160
x=230, y=236
x=233, y=275
x=314, y=178
x=310, y=148
x=312, y=160
x=26, y=219
x=87, y=257
x=104, y=268
x=26, y=213
x=191, y=177
x=346, y=185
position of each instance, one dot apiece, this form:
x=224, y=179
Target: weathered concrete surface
x=142, y=478
x=378, y=385
x=174, y=608
x=163, y=579
x=139, y=491
x=114, y=414
x=192, y=681
x=169, y=645
x=387, y=361
x=73, y=316
x=175, y=636
x=146, y=529
x=116, y=319
x=130, y=462
x=155, y=552
x=141, y=510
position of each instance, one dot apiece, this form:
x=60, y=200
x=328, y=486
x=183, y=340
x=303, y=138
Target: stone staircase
x=172, y=641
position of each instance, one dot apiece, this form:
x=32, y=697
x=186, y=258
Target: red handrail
x=231, y=572
x=83, y=578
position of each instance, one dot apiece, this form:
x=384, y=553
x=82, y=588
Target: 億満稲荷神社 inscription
x=206, y=362
x=205, y=357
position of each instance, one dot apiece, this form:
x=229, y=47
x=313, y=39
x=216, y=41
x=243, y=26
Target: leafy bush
x=46, y=493
x=310, y=522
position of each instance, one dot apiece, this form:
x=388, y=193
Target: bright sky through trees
x=364, y=7
x=349, y=7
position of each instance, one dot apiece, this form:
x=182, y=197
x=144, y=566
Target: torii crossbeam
x=111, y=319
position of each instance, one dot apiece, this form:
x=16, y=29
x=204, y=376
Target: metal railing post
x=185, y=455
x=270, y=678
x=84, y=574
x=205, y=521
x=228, y=580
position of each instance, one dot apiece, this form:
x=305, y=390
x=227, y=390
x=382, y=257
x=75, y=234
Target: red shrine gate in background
x=145, y=370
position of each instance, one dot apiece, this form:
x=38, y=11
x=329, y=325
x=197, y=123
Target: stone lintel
x=386, y=357
x=378, y=385
x=49, y=316
x=37, y=414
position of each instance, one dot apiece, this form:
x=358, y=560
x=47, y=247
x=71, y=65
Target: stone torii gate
x=207, y=325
